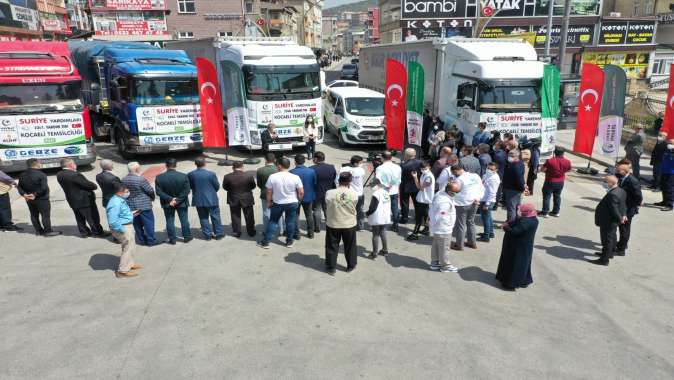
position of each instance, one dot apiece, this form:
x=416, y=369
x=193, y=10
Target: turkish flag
x=395, y=110
x=668, y=121
x=213, y=127
x=589, y=106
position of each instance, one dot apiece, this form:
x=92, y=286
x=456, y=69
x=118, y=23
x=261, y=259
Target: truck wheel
x=326, y=125
x=121, y=147
x=340, y=138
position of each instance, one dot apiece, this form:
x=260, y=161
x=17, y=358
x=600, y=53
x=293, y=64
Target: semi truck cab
x=41, y=111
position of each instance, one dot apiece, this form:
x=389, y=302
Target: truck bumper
x=151, y=149
x=49, y=163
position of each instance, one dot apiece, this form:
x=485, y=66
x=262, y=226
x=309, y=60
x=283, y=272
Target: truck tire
x=121, y=146
x=340, y=139
x=326, y=125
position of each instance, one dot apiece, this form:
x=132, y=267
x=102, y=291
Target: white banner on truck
x=42, y=136
x=169, y=124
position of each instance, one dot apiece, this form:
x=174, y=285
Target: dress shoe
x=188, y=239
x=237, y=235
x=317, y=230
x=172, y=242
x=659, y=204
x=218, y=237
x=471, y=245
x=598, y=262
x=456, y=247
x=310, y=236
x=103, y=235
x=126, y=274
x=619, y=253
x=412, y=237
x=331, y=272
x=52, y=233
x=483, y=239
x=667, y=208
x=252, y=234
x=349, y=270
x=11, y=227
x=372, y=256
x=84, y=236
x=383, y=253
x=424, y=231
x=136, y=267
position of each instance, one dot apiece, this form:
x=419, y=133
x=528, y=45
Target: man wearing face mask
x=609, y=214
x=667, y=177
x=310, y=135
x=634, y=199
x=656, y=159
x=120, y=219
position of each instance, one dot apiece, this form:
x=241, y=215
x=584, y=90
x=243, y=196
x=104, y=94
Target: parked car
x=355, y=115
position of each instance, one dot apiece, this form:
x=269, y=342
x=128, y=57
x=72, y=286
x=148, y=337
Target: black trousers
x=5, y=211
x=318, y=207
x=405, y=205
x=420, y=215
x=608, y=234
x=667, y=187
x=360, y=214
x=309, y=215
x=40, y=209
x=248, y=215
x=624, y=230
x=88, y=215
x=332, y=238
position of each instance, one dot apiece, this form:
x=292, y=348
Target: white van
x=355, y=115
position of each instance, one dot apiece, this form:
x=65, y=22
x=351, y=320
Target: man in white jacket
x=466, y=202
x=491, y=182
x=441, y=220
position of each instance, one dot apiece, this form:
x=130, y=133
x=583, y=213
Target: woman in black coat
x=514, y=267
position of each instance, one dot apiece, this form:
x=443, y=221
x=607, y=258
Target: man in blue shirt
x=325, y=180
x=120, y=220
x=308, y=177
x=205, y=186
x=481, y=136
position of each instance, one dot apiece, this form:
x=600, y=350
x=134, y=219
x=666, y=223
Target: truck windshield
x=41, y=97
x=281, y=80
x=365, y=106
x=509, y=98
x=165, y=91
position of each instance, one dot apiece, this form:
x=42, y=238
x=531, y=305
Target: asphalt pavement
x=227, y=309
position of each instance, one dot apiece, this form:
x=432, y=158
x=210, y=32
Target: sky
x=334, y=3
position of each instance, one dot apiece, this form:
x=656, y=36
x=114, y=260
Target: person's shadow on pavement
x=314, y=262
x=395, y=260
x=104, y=261
x=477, y=274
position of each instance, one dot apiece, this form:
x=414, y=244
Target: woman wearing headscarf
x=514, y=267
x=310, y=135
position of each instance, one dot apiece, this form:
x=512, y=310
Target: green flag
x=549, y=107
x=415, y=102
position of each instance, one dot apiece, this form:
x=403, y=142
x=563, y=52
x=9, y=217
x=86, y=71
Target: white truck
x=468, y=81
x=263, y=80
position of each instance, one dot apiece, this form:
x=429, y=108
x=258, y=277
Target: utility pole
x=548, y=35
x=565, y=32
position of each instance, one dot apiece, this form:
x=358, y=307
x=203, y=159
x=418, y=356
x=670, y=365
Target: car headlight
x=352, y=125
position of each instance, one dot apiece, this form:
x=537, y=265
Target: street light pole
x=565, y=32
x=551, y=6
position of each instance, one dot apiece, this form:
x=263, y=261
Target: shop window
x=185, y=35
x=225, y=34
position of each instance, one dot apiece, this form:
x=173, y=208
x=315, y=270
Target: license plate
x=51, y=165
x=178, y=147
x=373, y=138
x=280, y=146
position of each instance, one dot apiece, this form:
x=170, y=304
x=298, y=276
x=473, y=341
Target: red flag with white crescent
x=589, y=106
x=395, y=109
x=212, y=123
x=668, y=121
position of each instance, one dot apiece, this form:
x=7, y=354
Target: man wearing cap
x=340, y=223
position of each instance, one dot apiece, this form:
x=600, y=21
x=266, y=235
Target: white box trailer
x=280, y=82
x=470, y=80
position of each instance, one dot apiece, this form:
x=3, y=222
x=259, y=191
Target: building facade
x=19, y=20
x=129, y=20
x=198, y=19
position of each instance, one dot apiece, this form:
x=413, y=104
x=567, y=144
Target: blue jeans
x=170, y=214
x=290, y=212
x=214, y=214
x=487, y=220
x=143, y=224
x=395, y=209
x=266, y=212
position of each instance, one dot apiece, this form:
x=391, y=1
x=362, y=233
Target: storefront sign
x=169, y=125
x=42, y=136
x=666, y=18
x=133, y=28
x=578, y=35
x=26, y=17
x=627, y=33
x=412, y=9
x=635, y=64
x=415, y=34
x=129, y=4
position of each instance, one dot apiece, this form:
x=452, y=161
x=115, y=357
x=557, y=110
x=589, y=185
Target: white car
x=342, y=83
x=355, y=115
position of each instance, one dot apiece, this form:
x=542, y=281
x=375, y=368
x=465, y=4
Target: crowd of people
x=455, y=180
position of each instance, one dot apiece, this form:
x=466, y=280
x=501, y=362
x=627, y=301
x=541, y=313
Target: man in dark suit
x=81, y=198
x=609, y=214
x=239, y=187
x=204, y=184
x=268, y=136
x=408, y=188
x=34, y=189
x=107, y=181
x=173, y=189
x=632, y=188
x=325, y=180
